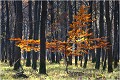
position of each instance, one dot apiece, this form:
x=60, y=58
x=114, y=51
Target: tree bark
x=115, y=47
x=42, y=69
x=8, y=45
x=101, y=25
x=36, y=32
x=56, y=35
x=109, y=26
x=18, y=33
x=118, y=32
x=70, y=22
x=52, y=36
x=85, y=62
x=104, y=64
x=28, y=61
x=2, y=32
x=76, y=57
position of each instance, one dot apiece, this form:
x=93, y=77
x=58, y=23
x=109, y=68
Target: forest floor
x=57, y=72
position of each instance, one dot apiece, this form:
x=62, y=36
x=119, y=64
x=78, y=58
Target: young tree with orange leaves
x=81, y=36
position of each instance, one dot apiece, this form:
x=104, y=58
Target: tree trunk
x=8, y=45
x=86, y=59
x=101, y=25
x=57, y=54
x=76, y=57
x=104, y=64
x=18, y=33
x=52, y=37
x=36, y=30
x=2, y=32
x=56, y=35
x=42, y=69
x=97, y=65
x=118, y=33
x=90, y=26
x=115, y=47
x=28, y=61
x=70, y=22
x=34, y=54
x=109, y=34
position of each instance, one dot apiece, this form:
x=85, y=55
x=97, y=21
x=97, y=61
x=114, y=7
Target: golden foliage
x=15, y=39
x=78, y=35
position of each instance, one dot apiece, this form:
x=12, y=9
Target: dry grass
x=57, y=72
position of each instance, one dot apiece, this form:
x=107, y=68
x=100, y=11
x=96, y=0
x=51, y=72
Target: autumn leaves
x=78, y=35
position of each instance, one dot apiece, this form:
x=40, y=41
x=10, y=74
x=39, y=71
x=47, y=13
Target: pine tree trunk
x=52, y=37
x=36, y=31
x=86, y=59
x=28, y=61
x=115, y=47
x=42, y=69
x=2, y=32
x=97, y=65
x=118, y=33
x=56, y=36
x=53, y=56
x=34, y=54
x=70, y=22
x=57, y=54
x=18, y=33
x=101, y=24
x=104, y=64
x=8, y=45
x=6, y=39
x=109, y=34
x=76, y=57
